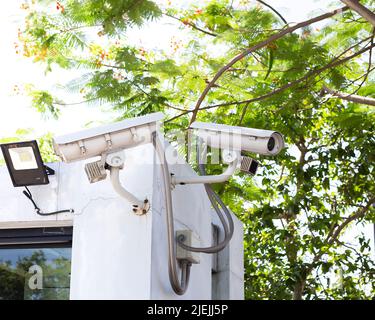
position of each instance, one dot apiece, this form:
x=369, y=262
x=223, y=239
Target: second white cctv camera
x=232, y=140
x=265, y=142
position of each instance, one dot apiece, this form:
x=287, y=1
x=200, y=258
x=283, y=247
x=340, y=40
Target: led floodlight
x=25, y=164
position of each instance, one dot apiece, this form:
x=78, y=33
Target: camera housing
x=108, y=138
x=108, y=142
x=264, y=142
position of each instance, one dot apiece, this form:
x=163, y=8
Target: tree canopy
x=243, y=63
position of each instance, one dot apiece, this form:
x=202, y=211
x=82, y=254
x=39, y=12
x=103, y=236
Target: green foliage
x=307, y=192
x=44, y=103
x=46, y=148
x=112, y=15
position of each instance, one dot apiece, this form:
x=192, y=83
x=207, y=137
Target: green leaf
x=270, y=62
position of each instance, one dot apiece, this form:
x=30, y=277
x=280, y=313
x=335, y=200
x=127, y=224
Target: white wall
x=111, y=245
x=228, y=280
x=16, y=210
x=117, y=254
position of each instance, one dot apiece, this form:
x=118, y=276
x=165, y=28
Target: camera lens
x=271, y=144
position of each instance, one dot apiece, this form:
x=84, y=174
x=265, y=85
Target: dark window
x=35, y=263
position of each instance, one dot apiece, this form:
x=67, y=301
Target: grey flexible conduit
x=178, y=286
x=215, y=200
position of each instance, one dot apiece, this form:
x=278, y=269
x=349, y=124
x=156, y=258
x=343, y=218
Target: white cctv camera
x=265, y=142
x=108, y=138
x=232, y=140
x=108, y=142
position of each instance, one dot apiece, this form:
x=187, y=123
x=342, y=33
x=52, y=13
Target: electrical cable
x=217, y=203
x=28, y=194
x=178, y=286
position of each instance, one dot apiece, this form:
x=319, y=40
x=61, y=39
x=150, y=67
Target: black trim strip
x=61, y=236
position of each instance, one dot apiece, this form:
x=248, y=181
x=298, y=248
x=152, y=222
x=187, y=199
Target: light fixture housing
x=25, y=164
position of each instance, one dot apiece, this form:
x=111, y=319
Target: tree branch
x=350, y=97
x=333, y=63
x=348, y=246
x=330, y=239
x=194, y=26
x=280, y=89
x=335, y=231
x=369, y=66
x=361, y=10
x=358, y=214
x=343, y=53
x=256, y=47
x=243, y=113
x=274, y=10
x=77, y=28
x=60, y=103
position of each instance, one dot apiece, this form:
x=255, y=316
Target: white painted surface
x=116, y=254
x=228, y=280
x=16, y=208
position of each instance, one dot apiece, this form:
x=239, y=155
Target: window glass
x=39, y=273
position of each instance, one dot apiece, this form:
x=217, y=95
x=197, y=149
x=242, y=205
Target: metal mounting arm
x=115, y=162
x=139, y=207
x=233, y=162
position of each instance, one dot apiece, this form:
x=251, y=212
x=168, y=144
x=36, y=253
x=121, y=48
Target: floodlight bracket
x=49, y=171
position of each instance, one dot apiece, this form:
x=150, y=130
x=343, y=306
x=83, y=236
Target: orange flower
x=142, y=52
x=59, y=6
x=25, y=6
